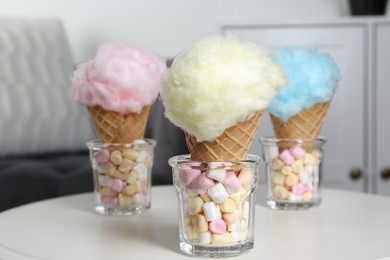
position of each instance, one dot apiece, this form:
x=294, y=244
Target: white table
x=346, y=226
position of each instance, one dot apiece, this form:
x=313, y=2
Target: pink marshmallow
x=309, y=187
x=110, y=200
x=231, y=183
x=122, y=78
x=217, y=226
x=298, y=188
x=101, y=156
x=186, y=176
x=117, y=185
x=297, y=151
x=202, y=183
x=286, y=157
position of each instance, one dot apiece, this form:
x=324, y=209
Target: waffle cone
x=305, y=125
x=232, y=145
x=113, y=127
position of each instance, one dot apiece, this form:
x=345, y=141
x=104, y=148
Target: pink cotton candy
x=121, y=78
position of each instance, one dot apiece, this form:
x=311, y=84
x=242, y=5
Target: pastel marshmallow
x=307, y=196
x=205, y=237
x=292, y=197
x=280, y=192
x=139, y=198
x=186, y=176
x=202, y=184
x=278, y=178
x=225, y=238
x=240, y=195
x=132, y=178
x=291, y=180
x=286, y=170
x=105, y=180
x=130, y=154
x=236, y=236
x=142, y=155
x=110, y=200
x=233, y=227
x=201, y=223
x=107, y=191
x=305, y=178
x=276, y=164
x=130, y=189
x=216, y=174
x=309, y=159
x=126, y=165
x=316, y=153
x=117, y=185
x=218, y=193
x=124, y=201
x=228, y=205
x=231, y=183
x=116, y=157
x=271, y=152
x=298, y=188
x=101, y=156
x=297, y=151
x=246, y=177
x=211, y=211
x=205, y=197
x=309, y=187
x=141, y=171
x=297, y=166
x=194, y=205
x=231, y=217
x=286, y=157
x=217, y=226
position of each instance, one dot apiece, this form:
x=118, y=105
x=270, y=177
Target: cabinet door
x=344, y=124
x=383, y=110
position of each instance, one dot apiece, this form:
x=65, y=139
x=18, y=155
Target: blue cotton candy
x=312, y=78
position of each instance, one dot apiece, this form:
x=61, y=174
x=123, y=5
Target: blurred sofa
x=42, y=130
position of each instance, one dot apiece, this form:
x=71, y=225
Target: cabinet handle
x=385, y=174
x=355, y=174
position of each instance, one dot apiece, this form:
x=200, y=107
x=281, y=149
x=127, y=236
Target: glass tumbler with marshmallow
x=294, y=170
x=216, y=205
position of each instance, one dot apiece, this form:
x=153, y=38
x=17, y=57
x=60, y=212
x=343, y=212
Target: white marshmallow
x=141, y=171
x=304, y=177
x=141, y=156
x=205, y=237
x=245, y=209
x=139, y=198
x=211, y=211
x=216, y=174
x=104, y=180
x=294, y=197
x=218, y=193
x=233, y=227
x=235, y=236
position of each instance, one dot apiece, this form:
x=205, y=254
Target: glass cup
x=294, y=172
x=122, y=176
x=216, y=205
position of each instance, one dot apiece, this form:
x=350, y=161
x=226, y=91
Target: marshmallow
x=297, y=151
x=141, y=171
x=218, y=193
x=298, y=188
x=142, y=155
x=205, y=197
x=139, y=198
x=305, y=178
x=286, y=157
x=201, y=223
x=225, y=238
x=194, y=205
x=294, y=197
x=132, y=178
x=130, y=154
x=205, y=237
x=297, y=166
x=126, y=165
x=236, y=236
x=231, y=183
x=271, y=152
x=101, y=156
x=124, y=201
x=307, y=196
x=316, y=153
x=111, y=169
x=233, y=227
x=231, y=218
x=276, y=164
x=240, y=195
x=211, y=211
x=228, y=205
x=286, y=170
x=309, y=187
x=117, y=185
x=130, y=189
x=186, y=176
x=309, y=159
x=116, y=157
x=278, y=178
x=291, y=180
x=106, y=191
x=216, y=174
x=217, y=226
x=120, y=175
x=105, y=180
x=280, y=192
x=202, y=183
x=109, y=200
x=246, y=176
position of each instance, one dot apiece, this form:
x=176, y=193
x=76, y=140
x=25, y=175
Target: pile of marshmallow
x=122, y=175
x=216, y=203
x=294, y=173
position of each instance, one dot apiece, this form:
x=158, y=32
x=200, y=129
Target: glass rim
x=174, y=161
x=95, y=143
x=272, y=140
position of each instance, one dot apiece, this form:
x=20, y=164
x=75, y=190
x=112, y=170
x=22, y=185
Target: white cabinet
x=345, y=126
x=382, y=106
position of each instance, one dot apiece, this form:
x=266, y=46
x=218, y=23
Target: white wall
x=163, y=26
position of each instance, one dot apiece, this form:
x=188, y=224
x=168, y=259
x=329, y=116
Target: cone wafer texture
x=305, y=125
x=113, y=127
x=232, y=145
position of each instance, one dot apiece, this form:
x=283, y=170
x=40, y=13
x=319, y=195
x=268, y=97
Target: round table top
x=347, y=225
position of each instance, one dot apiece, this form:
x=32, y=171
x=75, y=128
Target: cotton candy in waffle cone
x=113, y=127
x=305, y=125
x=232, y=145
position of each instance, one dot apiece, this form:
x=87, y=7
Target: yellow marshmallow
x=201, y=223
x=276, y=164
x=316, y=153
x=280, y=192
x=116, y=157
x=307, y=196
x=225, y=238
x=231, y=217
x=130, y=190
x=278, y=178
x=206, y=197
x=133, y=177
x=126, y=165
x=297, y=166
x=194, y=205
x=228, y=205
x=111, y=169
x=239, y=196
x=130, y=154
x=106, y=191
x=286, y=170
x=291, y=180
x=309, y=159
x=246, y=176
x=124, y=201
